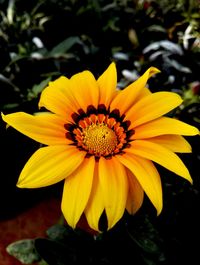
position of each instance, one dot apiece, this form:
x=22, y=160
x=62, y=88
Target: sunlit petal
x=144, y=92
x=114, y=184
x=160, y=155
x=95, y=206
x=49, y=165
x=128, y=96
x=107, y=83
x=57, y=97
x=85, y=90
x=147, y=176
x=77, y=189
x=175, y=143
x=135, y=194
x=45, y=128
x=152, y=107
x=164, y=125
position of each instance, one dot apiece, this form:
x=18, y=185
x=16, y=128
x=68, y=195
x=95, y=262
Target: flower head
x=103, y=142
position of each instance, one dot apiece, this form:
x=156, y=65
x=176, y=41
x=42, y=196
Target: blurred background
x=41, y=40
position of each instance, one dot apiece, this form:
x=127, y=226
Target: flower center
x=99, y=139
x=99, y=132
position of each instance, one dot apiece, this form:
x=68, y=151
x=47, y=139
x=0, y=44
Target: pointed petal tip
x=159, y=207
x=23, y=184
x=8, y=118
x=72, y=225
x=159, y=210
x=20, y=184
x=190, y=180
x=194, y=130
x=179, y=98
x=112, y=64
x=3, y=117
x=40, y=104
x=187, y=177
x=153, y=70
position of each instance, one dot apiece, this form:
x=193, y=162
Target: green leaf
x=58, y=232
x=37, y=89
x=64, y=46
x=10, y=106
x=24, y=250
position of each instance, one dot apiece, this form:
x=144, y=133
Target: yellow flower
x=102, y=142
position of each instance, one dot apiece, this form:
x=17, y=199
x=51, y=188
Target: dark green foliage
x=130, y=241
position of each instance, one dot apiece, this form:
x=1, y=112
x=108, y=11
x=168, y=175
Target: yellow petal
x=135, y=194
x=144, y=92
x=45, y=128
x=57, y=97
x=95, y=206
x=85, y=90
x=164, y=125
x=175, y=143
x=147, y=176
x=77, y=190
x=160, y=155
x=49, y=165
x=152, y=107
x=107, y=83
x=114, y=184
x=127, y=97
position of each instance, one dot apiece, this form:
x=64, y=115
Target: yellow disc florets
x=99, y=139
